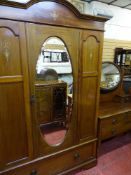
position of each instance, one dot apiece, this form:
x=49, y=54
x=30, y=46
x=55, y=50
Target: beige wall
x=110, y=45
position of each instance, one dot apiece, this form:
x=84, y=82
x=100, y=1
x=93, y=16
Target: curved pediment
x=29, y=3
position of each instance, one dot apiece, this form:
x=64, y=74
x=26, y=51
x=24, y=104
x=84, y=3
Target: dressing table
x=114, y=113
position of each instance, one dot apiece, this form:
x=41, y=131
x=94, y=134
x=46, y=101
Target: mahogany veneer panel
x=88, y=101
x=13, y=130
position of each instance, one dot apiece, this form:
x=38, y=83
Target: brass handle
x=76, y=156
x=34, y=172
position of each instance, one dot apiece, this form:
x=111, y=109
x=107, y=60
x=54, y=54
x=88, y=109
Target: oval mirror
x=54, y=90
x=110, y=77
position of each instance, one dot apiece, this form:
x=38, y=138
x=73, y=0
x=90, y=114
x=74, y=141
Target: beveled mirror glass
x=110, y=77
x=54, y=91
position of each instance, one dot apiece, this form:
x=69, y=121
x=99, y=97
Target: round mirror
x=54, y=91
x=110, y=77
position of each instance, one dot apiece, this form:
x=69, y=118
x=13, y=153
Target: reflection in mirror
x=110, y=77
x=54, y=89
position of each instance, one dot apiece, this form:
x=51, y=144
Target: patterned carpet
x=114, y=158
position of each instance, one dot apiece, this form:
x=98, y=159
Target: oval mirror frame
x=54, y=76
x=108, y=85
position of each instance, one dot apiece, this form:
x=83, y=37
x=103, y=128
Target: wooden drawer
x=55, y=164
x=127, y=122
x=111, y=126
x=110, y=131
x=112, y=120
x=127, y=118
x=114, y=125
x=127, y=127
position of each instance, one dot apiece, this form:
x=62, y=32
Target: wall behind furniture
x=117, y=29
x=110, y=45
x=117, y=32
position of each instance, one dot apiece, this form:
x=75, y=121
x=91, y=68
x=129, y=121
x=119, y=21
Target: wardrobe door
x=38, y=36
x=89, y=83
x=15, y=131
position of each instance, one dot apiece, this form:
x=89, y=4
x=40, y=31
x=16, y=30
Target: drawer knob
x=76, y=156
x=34, y=172
x=32, y=99
x=91, y=157
x=114, y=120
x=127, y=119
x=113, y=131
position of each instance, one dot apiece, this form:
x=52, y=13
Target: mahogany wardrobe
x=50, y=62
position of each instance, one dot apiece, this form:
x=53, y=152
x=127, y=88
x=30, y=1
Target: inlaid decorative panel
x=90, y=54
x=9, y=53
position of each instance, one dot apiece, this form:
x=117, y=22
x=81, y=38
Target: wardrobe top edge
x=26, y=7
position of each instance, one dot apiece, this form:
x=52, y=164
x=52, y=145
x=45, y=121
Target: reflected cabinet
x=50, y=60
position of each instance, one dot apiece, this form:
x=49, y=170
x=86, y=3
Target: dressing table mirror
x=110, y=77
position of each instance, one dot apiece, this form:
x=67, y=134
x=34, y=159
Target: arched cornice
x=63, y=2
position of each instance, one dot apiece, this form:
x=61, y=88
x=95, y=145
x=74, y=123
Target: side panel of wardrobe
x=15, y=130
x=89, y=84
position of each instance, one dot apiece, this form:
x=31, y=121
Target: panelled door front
x=89, y=84
x=15, y=138
x=67, y=38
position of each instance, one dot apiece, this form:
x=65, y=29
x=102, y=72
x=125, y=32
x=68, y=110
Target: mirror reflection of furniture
x=53, y=84
x=114, y=113
x=51, y=108
x=123, y=60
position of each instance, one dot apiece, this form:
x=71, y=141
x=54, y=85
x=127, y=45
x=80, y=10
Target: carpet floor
x=114, y=157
